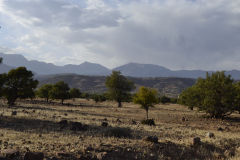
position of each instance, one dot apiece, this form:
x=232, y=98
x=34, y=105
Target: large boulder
x=33, y=156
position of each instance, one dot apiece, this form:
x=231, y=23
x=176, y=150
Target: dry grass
x=36, y=127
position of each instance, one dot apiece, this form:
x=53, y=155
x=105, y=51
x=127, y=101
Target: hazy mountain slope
x=5, y=68
x=143, y=70
x=87, y=68
x=168, y=86
x=43, y=68
x=150, y=70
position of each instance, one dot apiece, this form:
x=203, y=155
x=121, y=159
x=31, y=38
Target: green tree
x=216, y=95
x=74, y=93
x=146, y=97
x=164, y=99
x=19, y=83
x=119, y=87
x=60, y=90
x=44, y=91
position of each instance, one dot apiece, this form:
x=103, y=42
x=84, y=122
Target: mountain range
x=131, y=69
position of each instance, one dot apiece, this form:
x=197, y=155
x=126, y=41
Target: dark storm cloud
x=179, y=34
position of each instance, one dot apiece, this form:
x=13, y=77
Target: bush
x=149, y=122
x=118, y=132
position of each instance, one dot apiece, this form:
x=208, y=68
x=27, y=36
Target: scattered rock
x=33, y=156
x=14, y=113
x=104, y=124
x=63, y=124
x=65, y=114
x=153, y=139
x=102, y=155
x=220, y=129
x=210, y=135
x=63, y=154
x=77, y=126
x=133, y=122
x=10, y=153
x=183, y=119
x=229, y=153
x=118, y=120
x=196, y=141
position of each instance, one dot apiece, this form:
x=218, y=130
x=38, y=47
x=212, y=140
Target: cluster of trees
x=17, y=83
x=59, y=90
x=218, y=95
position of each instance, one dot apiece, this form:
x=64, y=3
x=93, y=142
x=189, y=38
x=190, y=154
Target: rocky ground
x=82, y=130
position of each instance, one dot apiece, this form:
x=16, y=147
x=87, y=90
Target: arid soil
x=84, y=130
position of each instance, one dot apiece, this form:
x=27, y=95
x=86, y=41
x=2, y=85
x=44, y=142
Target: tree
x=216, y=95
x=146, y=97
x=164, y=99
x=18, y=83
x=118, y=87
x=60, y=91
x=44, y=91
x=74, y=93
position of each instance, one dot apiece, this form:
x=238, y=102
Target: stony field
x=85, y=130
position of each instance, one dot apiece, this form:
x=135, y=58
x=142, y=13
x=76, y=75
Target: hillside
x=96, y=84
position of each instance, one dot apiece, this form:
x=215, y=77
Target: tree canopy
x=44, y=91
x=60, y=91
x=119, y=87
x=18, y=83
x=216, y=95
x=146, y=97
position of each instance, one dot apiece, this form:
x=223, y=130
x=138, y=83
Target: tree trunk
x=47, y=100
x=119, y=104
x=147, y=113
x=62, y=101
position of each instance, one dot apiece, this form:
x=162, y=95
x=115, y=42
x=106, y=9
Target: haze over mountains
x=131, y=69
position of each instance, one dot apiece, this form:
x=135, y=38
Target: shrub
x=149, y=122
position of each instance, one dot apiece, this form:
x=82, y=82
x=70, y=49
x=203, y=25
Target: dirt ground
x=52, y=129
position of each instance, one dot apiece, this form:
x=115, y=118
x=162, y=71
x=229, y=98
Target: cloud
x=179, y=34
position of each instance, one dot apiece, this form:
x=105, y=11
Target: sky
x=177, y=34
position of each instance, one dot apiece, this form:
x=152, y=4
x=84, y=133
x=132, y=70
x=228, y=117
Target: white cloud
x=179, y=34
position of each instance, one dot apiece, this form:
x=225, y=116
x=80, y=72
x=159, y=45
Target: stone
x=33, y=156
x=63, y=124
x=153, y=139
x=14, y=113
x=104, y=124
x=210, y=135
x=134, y=122
x=10, y=153
x=183, y=119
x=229, y=153
x=220, y=129
x=196, y=141
x=77, y=126
x=101, y=155
x=63, y=154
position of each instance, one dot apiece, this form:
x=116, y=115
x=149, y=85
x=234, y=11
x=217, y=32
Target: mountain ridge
x=87, y=68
